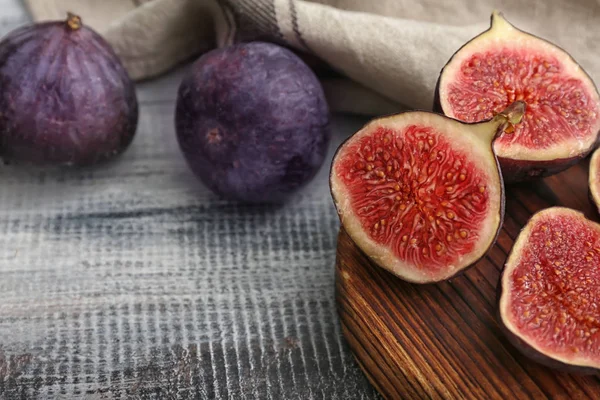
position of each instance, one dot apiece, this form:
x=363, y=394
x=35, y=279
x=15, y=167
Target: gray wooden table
x=132, y=281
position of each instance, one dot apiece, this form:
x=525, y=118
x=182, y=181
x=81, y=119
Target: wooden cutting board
x=442, y=340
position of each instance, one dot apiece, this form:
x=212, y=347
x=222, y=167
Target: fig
x=421, y=194
x=504, y=64
x=252, y=122
x=548, y=293
x=65, y=97
x=594, y=179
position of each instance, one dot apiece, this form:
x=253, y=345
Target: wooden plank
x=443, y=340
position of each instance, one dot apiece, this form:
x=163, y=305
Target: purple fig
x=252, y=122
x=65, y=97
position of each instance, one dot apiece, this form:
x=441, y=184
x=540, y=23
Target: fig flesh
x=548, y=297
x=504, y=64
x=420, y=193
x=252, y=122
x=65, y=97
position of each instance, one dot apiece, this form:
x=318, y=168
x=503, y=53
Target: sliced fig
x=504, y=64
x=420, y=193
x=549, y=297
x=594, y=179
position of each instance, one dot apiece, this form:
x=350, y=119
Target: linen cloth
x=388, y=52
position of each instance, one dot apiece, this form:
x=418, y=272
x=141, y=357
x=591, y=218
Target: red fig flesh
x=504, y=64
x=420, y=193
x=549, y=295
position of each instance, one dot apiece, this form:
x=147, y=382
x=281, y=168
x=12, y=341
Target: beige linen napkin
x=389, y=52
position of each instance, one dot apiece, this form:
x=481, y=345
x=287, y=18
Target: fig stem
x=499, y=22
x=512, y=115
x=73, y=21
x=505, y=121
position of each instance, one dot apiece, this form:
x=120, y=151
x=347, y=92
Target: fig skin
x=515, y=170
x=380, y=258
x=65, y=97
x=252, y=122
x=521, y=345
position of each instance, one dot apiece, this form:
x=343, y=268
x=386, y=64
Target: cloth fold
x=388, y=53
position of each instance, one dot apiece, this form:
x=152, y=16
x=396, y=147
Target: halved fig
x=594, y=179
x=421, y=194
x=549, y=293
x=504, y=64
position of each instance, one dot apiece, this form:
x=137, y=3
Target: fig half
x=421, y=194
x=504, y=64
x=549, y=297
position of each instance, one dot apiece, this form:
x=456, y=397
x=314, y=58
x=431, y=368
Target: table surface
x=131, y=280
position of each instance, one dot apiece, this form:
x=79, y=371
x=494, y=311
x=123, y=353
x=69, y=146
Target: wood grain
x=442, y=340
x=132, y=281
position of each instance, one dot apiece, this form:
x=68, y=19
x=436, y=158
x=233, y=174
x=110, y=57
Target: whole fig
x=252, y=122
x=65, y=98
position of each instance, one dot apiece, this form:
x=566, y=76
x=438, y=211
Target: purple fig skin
x=252, y=122
x=524, y=171
x=65, y=97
